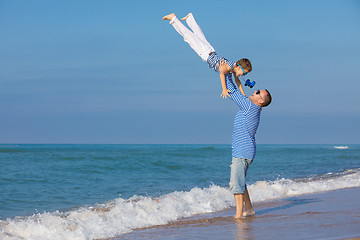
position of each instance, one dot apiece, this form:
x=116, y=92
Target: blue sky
x=114, y=72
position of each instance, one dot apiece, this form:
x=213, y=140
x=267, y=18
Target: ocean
x=104, y=191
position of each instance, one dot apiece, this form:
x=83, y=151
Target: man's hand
x=223, y=67
x=225, y=93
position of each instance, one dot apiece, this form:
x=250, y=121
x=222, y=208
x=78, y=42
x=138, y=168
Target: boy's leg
x=190, y=20
x=195, y=43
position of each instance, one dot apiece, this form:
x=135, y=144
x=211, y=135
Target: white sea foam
x=341, y=147
x=121, y=216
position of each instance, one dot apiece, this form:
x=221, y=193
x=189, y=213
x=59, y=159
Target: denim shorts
x=239, y=167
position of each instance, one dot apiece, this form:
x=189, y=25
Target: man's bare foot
x=249, y=213
x=169, y=17
x=238, y=215
x=184, y=18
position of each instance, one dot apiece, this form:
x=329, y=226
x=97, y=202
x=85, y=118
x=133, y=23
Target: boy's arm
x=224, y=69
x=238, y=83
x=225, y=91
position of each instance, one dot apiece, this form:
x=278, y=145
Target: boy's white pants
x=194, y=38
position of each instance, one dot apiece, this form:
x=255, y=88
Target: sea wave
x=121, y=216
x=341, y=147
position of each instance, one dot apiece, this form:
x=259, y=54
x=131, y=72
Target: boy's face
x=239, y=71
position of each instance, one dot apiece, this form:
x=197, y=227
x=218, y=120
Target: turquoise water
x=38, y=178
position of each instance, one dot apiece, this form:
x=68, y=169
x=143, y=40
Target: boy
x=202, y=47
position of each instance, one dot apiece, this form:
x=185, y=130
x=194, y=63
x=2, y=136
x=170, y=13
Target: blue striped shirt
x=214, y=59
x=245, y=124
x=247, y=118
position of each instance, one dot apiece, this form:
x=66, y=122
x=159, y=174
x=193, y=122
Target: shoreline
x=326, y=215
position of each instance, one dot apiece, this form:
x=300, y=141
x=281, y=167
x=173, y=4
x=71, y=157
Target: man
x=243, y=140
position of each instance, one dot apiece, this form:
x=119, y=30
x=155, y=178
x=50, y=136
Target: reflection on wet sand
x=244, y=228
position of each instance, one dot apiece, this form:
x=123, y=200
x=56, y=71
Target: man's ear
x=261, y=101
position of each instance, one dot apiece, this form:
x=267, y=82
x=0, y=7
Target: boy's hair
x=245, y=63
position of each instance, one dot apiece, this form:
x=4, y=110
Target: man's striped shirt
x=245, y=124
x=247, y=118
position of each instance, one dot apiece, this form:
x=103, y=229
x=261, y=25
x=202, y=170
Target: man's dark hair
x=267, y=99
x=245, y=63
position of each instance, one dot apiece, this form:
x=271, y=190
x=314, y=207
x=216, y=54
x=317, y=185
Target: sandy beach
x=328, y=215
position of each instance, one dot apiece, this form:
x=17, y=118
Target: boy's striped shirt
x=214, y=59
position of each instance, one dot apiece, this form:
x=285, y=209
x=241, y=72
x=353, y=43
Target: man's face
x=258, y=97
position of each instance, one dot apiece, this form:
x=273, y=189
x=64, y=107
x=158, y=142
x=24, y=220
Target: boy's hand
x=225, y=93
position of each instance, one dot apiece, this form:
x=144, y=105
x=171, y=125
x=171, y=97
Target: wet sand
x=329, y=215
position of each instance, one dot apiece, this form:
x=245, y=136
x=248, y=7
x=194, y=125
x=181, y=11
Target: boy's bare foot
x=249, y=213
x=184, y=18
x=169, y=17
